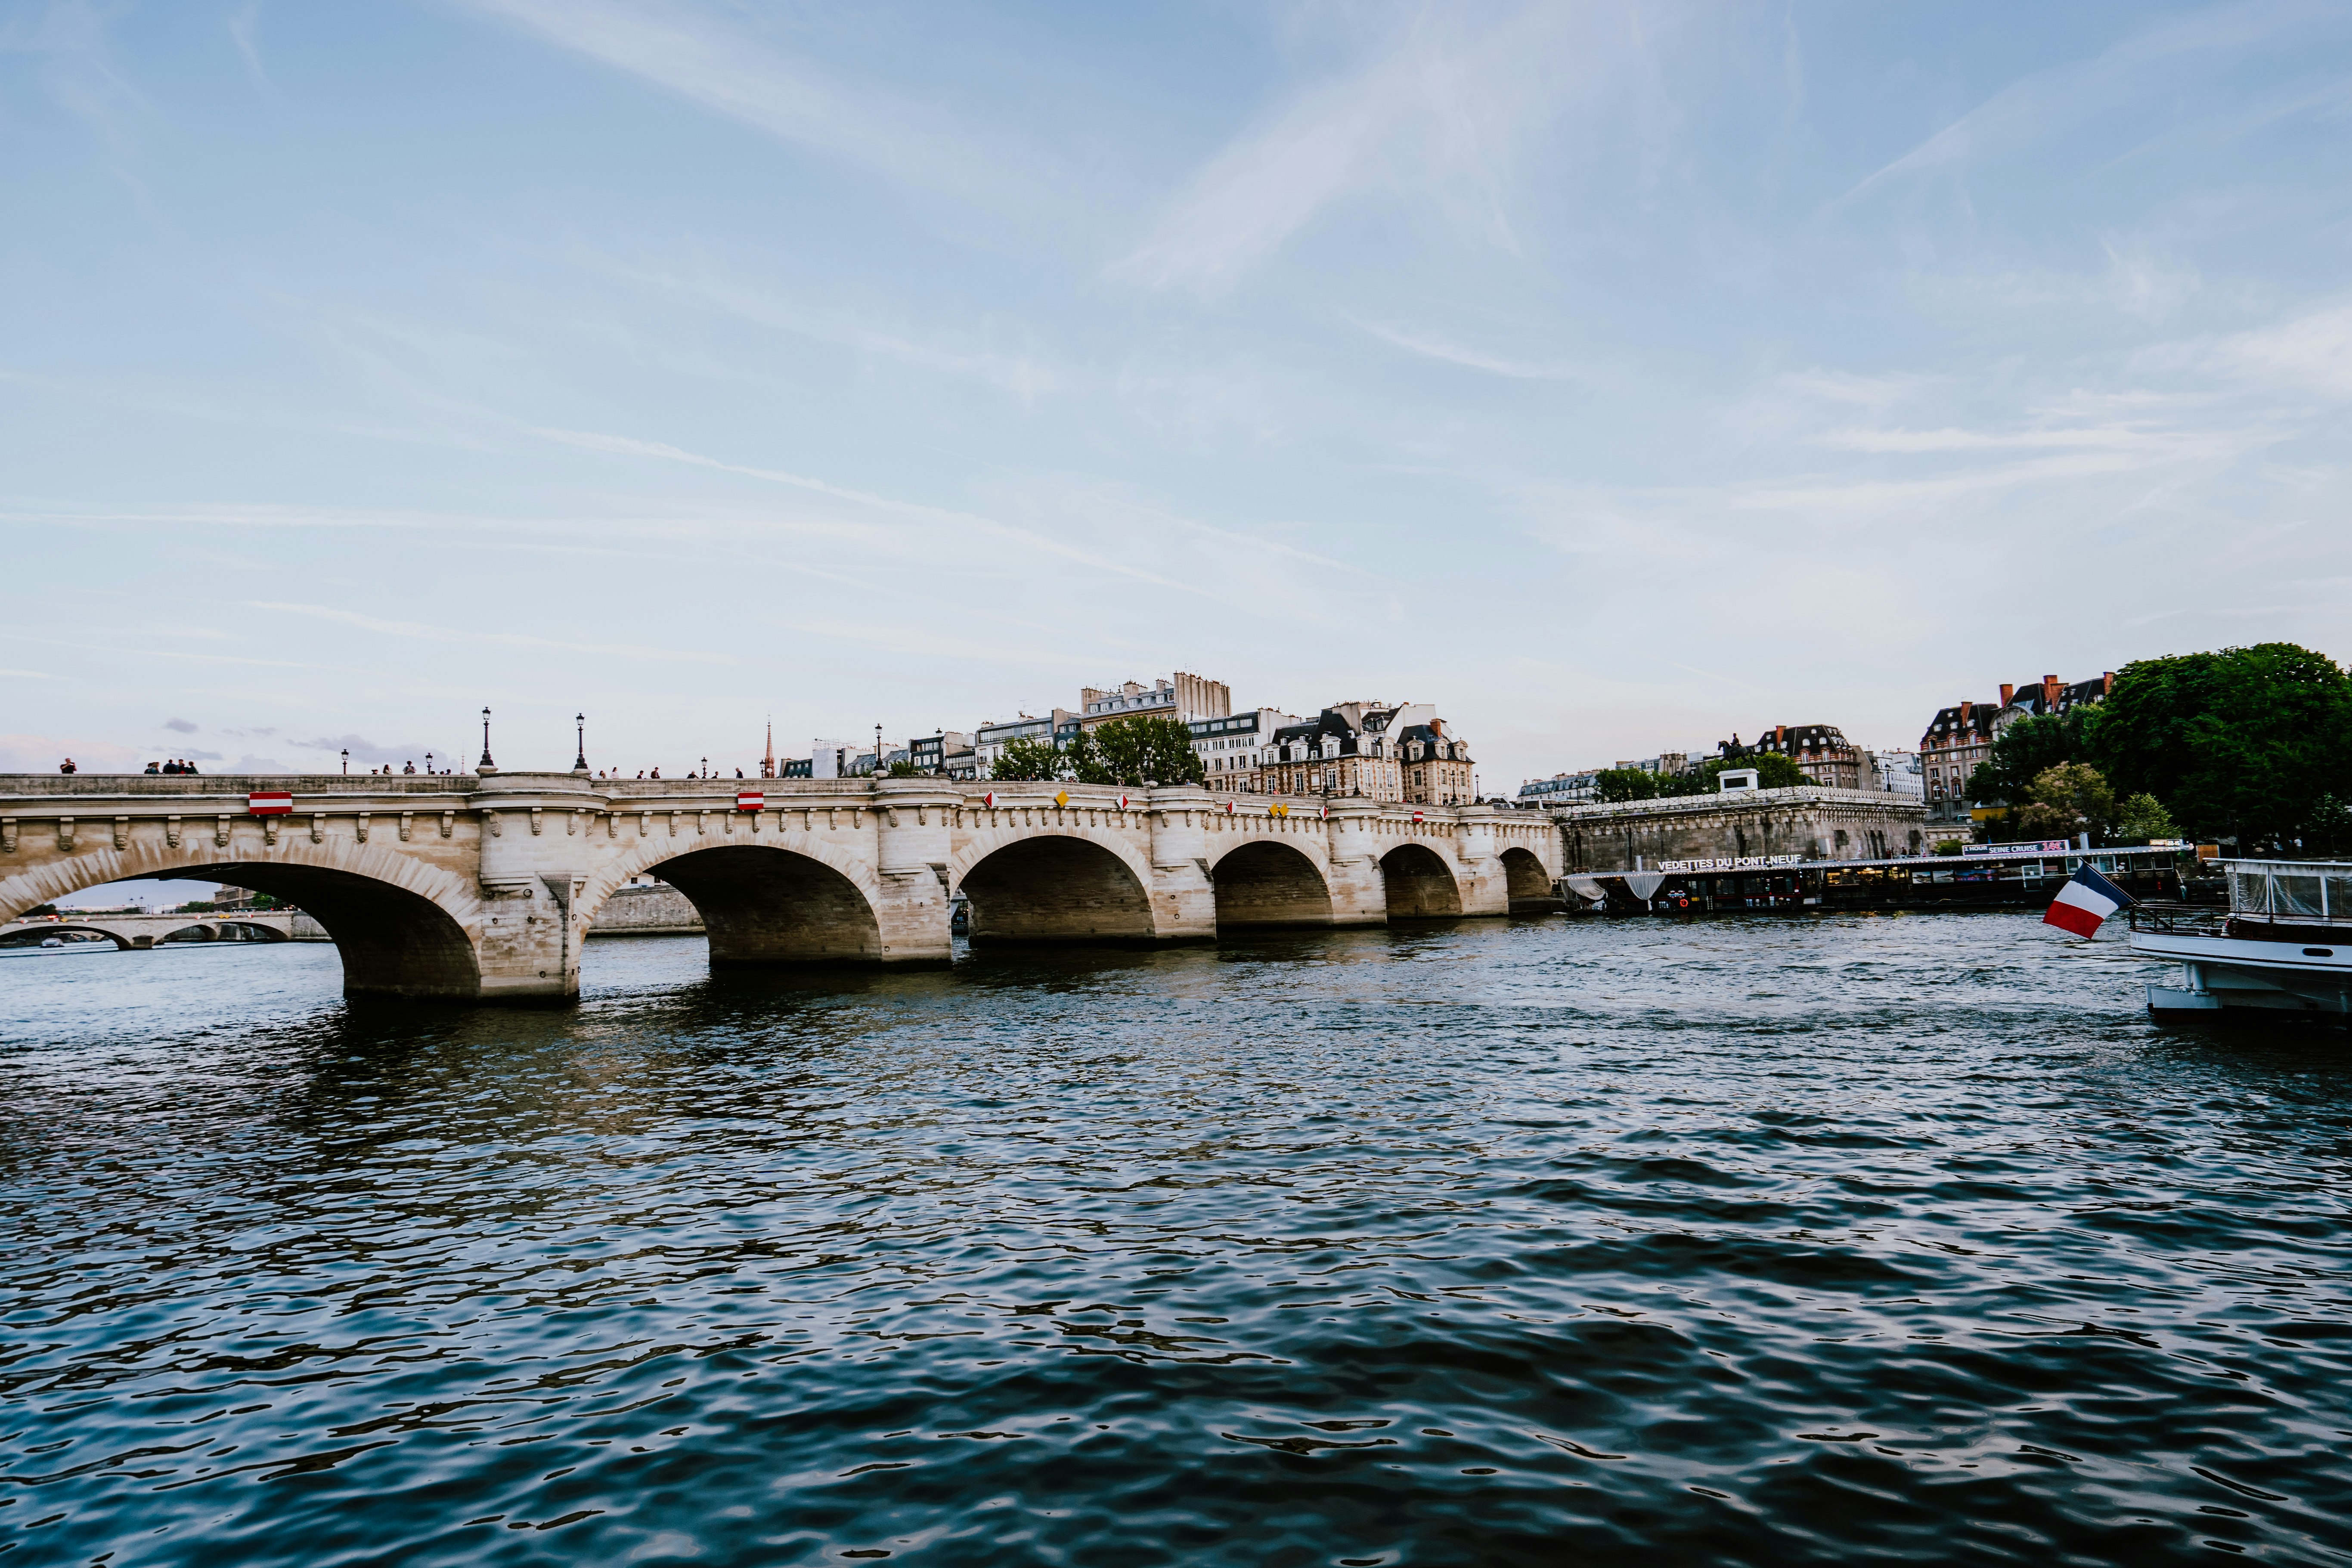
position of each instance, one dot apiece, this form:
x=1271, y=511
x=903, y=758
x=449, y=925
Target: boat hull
x=2235, y=975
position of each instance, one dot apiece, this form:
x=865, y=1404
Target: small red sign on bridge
x=269, y=803
x=749, y=800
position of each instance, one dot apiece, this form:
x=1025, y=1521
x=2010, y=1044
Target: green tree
x=2243, y=743
x=2143, y=817
x=1025, y=759
x=1135, y=751
x=2025, y=751
x=1614, y=786
x=2066, y=800
x=1773, y=770
x=903, y=769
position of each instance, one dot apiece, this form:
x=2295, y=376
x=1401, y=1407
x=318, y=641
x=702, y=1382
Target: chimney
x=2106, y=683
x=2050, y=691
x=2006, y=693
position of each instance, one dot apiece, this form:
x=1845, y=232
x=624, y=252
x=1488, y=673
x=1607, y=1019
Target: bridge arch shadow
x=1419, y=884
x=392, y=941
x=764, y=906
x=35, y=936
x=1057, y=890
x=1526, y=881
x=1267, y=885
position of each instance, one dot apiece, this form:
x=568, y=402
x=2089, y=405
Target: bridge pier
x=1184, y=901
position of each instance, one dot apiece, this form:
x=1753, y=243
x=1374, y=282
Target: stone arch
x=762, y=904
x=1420, y=884
x=1058, y=887
x=34, y=936
x=400, y=926
x=1524, y=875
x=260, y=931
x=1266, y=883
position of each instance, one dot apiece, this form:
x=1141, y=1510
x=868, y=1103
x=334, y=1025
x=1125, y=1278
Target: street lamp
x=877, y=751
x=580, y=763
x=429, y=765
x=347, y=759
x=485, y=767
x=706, y=767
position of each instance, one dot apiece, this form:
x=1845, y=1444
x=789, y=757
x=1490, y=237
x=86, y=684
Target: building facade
x=1434, y=764
x=1059, y=729
x=929, y=753
x=1561, y=789
x=1897, y=773
x=1234, y=748
x=1955, y=741
x=2048, y=697
x=1821, y=751
x=1183, y=699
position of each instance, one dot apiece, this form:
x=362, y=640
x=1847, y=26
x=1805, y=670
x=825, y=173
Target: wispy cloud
x=1431, y=345
x=424, y=632
x=2050, y=102
x=914, y=510
x=1439, y=112
x=716, y=63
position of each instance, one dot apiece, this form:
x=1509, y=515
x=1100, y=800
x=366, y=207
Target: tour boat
x=2282, y=946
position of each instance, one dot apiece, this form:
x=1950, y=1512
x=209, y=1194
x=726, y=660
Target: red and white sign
x=1228, y=808
x=1416, y=816
x=750, y=800
x=989, y=800
x=1122, y=803
x=269, y=803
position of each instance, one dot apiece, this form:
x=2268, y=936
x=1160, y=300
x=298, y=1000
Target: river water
x=1753, y=1240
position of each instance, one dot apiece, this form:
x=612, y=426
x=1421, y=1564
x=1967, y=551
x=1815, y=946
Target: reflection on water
x=1746, y=1241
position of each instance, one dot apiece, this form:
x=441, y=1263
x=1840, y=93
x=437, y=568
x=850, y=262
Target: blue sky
x=1616, y=377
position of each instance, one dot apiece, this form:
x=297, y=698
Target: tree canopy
x=2027, y=750
x=1135, y=751
x=1773, y=771
x=2246, y=743
x=1025, y=759
x=2066, y=800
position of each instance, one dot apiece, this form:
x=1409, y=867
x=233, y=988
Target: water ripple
x=1747, y=1241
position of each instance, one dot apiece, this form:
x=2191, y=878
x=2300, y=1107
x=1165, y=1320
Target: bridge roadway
x=484, y=887
x=138, y=931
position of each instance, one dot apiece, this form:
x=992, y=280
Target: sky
x=1615, y=377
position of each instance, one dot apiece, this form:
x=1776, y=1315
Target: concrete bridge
x=484, y=887
x=141, y=930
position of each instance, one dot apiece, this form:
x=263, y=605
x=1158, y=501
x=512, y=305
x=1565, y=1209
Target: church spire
x=768, y=759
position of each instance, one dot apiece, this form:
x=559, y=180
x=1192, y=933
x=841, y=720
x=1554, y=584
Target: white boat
x=2282, y=946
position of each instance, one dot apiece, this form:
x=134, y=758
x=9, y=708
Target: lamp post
x=347, y=759
x=429, y=765
x=877, y=751
x=485, y=767
x=706, y=767
x=580, y=763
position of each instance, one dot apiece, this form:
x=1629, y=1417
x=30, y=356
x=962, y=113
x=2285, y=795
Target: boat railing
x=2300, y=892
x=2178, y=919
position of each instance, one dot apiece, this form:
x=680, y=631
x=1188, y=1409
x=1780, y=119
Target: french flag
x=2084, y=904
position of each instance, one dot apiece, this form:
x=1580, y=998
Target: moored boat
x=2283, y=946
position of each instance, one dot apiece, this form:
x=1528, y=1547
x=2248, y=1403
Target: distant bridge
x=153, y=931
x=473, y=886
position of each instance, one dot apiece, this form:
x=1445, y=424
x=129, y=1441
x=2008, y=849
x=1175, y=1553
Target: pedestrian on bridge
x=67, y=766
